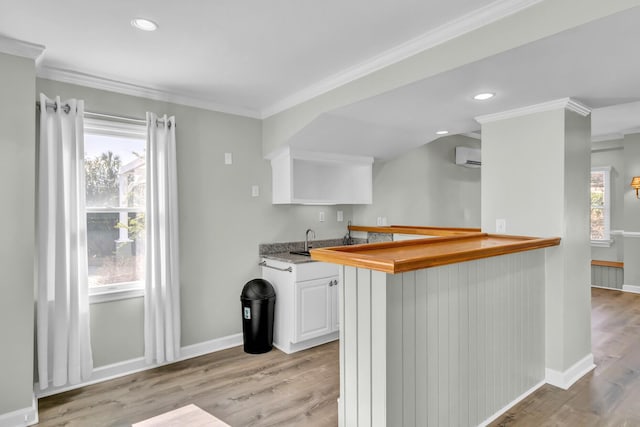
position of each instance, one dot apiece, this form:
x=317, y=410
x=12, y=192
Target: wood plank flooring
x=275, y=389
x=610, y=394
x=271, y=389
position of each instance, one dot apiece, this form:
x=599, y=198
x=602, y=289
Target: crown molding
x=607, y=137
x=20, y=48
x=631, y=131
x=564, y=103
x=466, y=23
x=475, y=135
x=95, y=82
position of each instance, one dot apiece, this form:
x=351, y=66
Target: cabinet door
x=313, y=309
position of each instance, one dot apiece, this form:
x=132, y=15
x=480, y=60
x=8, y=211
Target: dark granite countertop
x=281, y=251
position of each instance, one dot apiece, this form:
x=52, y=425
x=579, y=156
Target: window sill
x=601, y=243
x=116, y=292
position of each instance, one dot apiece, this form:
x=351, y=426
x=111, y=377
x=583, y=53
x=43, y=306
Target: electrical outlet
x=255, y=191
x=379, y=221
x=339, y=216
x=228, y=158
x=501, y=226
x=321, y=216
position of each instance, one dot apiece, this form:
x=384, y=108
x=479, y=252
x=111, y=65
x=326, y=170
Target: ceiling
x=591, y=64
x=248, y=56
x=257, y=58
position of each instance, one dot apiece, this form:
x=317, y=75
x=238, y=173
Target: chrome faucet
x=306, y=239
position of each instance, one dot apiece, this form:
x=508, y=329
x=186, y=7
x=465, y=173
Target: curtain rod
x=92, y=115
x=67, y=108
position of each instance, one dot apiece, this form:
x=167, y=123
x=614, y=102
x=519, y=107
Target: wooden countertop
x=399, y=257
x=426, y=231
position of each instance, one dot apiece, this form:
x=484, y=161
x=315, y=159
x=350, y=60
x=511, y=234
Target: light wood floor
x=275, y=389
x=610, y=394
x=271, y=389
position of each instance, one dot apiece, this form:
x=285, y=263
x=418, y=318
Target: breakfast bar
x=447, y=330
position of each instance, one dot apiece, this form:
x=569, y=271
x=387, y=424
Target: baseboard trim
x=211, y=346
x=607, y=288
x=631, y=288
x=131, y=366
x=511, y=404
x=22, y=417
x=566, y=379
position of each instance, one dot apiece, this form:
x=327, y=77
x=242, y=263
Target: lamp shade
x=635, y=184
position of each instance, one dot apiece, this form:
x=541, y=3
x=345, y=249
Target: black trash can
x=258, y=300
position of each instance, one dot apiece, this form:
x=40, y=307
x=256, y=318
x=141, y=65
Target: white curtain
x=162, y=275
x=63, y=340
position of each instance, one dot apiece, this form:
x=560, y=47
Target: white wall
x=521, y=174
x=17, y=192
x=425, y=187
x=576, y=241
x=535, y=175
x=221, y=225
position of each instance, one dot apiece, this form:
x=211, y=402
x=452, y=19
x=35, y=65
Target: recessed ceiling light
x=484, y=96
x=442, y=132
x=144, y=24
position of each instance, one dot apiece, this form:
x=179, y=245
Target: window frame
x=127, y=129
x=606, y=207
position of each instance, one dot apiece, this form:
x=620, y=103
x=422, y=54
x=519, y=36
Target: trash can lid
x=258, y=289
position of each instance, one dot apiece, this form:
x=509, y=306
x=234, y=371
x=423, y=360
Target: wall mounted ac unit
x=468, y=157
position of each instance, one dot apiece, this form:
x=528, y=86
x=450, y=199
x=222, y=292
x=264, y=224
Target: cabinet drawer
x=315, y=270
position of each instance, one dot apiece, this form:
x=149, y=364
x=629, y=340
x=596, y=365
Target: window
x=600, y=206
x=115, y=208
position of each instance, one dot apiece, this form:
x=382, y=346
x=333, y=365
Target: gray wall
x=221, y=225
x=425, y=187
x=631, y=211
x=17, y=192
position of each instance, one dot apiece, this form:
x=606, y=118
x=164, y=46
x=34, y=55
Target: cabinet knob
x=333, y=283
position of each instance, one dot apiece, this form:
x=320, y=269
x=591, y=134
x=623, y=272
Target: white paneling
x=364, y=347
x=349, y=347
x=421, y=347
x=433, y=372
x=341, y=358
x=607, y=277
x=408, y=333
x=461, y=341
x=394, y=349
x=378, y=348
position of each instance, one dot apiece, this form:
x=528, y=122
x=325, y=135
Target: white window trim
x=606, y=242
x=135, y=129
x=115, y=291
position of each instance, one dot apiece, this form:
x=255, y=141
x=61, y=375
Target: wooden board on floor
x=189, y=415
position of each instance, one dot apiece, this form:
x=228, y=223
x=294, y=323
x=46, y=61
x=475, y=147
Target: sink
x=304, y=253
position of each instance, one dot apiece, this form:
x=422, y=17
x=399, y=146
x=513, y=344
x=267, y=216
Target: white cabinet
x=315, y=308
x=306, y=310
x=308, y=177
